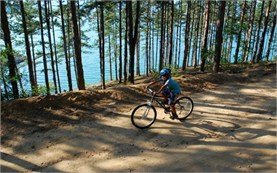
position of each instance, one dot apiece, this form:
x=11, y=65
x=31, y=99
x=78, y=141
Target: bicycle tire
x=179, y=107
x=134, y=117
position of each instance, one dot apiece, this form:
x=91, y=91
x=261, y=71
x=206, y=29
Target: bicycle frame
x=154, y=97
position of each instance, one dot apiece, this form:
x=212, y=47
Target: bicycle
x=142, y=118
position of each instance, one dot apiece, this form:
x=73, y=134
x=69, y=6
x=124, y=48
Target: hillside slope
x=233, y=123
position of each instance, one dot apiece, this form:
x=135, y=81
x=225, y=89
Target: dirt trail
x=232, y=128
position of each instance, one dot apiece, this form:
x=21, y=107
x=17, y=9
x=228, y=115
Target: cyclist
x=170, y=89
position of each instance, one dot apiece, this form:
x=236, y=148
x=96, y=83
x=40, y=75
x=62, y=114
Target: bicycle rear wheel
x=143, y=116
x=184, y=107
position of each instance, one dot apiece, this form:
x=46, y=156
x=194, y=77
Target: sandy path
x=232, y=128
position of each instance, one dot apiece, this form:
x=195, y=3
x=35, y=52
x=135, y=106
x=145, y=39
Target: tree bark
x=110, y=58
x=171, y=33
x=187, y=35
x=55, y=47
x=28, y=51
x=68, y=70
x=101, y=34
x=271, y=37
x=8, y=44
x=77, y=48
x=133, y=35
x=43, y=50
x=261, y=46
x=34, y=59
x=162, y=38
x=50, y=45
x=204, y=51
x=240, y=31
x=249, y=32
x=219, y=38
x=254, y=58
x=120, y=41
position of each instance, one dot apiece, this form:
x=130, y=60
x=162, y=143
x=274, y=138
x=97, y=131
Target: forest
x=47, y=45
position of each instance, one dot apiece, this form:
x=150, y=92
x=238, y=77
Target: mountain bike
x=144, y=115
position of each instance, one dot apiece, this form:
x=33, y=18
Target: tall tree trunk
x=249, y=32
x=177, y=39
x=133, y=35
x=147, y=40
x=219, y=38
x=110, y=58
x=34, y=59
x=28, y=51
x=126, y=45
x=190, y=37
x=50, y=45
x=171, y=33
x=271, y=37
x=101, y=34
x=138, y=55
x=8, y=44
x=254, y=58
x=180, y=38
x=204, y=50
x=261, y=46
x=77, y=47
x=115, y=52
x=68, y=70
x=187, y=35
x=55, y=48
x=43, y=49
x=240, y=31
x=196, y=40
x=162, y=37
x=120, y=41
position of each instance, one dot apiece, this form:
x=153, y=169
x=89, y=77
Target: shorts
x=170, y=96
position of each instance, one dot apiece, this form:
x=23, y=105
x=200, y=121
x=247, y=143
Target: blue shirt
x=172, y=86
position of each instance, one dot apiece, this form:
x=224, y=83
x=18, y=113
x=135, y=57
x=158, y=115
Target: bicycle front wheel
x=184, y=107
x=143, y=116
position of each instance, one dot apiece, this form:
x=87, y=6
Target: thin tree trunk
x=68, y=70
x=249, y=32
x=110, y=58
x=34, y=58
x=254, y=58
x=138, y=55
x=171, y=33
x=196, y=40
x=126, y=46
x=261, y=46
x=271, y=37
x=162, y=38
x=147, y=41
x=50, y=45
x=43, y=50
x=55, y=48
x=204, y=50
x=240, y=31
x=193, y=26
x=77, y=48
x=101, y=34
x=120, y=41
x=187, y=35
x=28, y=51
x=219, y=38
x=180, y=38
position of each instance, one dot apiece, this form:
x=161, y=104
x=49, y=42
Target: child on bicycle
x=170, y=89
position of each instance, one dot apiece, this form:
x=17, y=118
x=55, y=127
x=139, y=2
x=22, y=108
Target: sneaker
x=173, y=116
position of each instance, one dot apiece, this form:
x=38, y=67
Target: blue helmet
x=165, y=71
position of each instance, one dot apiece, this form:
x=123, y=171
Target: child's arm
x=162, y=87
